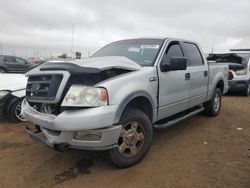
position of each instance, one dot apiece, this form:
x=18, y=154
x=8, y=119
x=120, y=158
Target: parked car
x=239, y=69
x=12, y=93
x=113, y=100
x=13, y=64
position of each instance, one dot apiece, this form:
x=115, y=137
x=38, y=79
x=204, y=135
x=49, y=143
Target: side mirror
x=176, y=63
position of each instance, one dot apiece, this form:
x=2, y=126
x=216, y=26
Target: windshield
x=240, y=58
x=142, y=51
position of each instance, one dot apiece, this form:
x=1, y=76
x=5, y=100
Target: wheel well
x=143, y=104
x=220, y=85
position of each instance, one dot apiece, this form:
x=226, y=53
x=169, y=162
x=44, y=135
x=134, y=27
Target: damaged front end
x=49, y=83
x=62, y=121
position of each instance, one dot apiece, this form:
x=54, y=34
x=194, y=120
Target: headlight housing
x=241, y=72
x=83, y=96
x=3, y=93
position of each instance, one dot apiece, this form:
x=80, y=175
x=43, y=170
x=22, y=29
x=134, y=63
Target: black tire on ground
x=135, y=139
x=212, y=107
x=2, y=70
x=15, y=110
x=246, y=92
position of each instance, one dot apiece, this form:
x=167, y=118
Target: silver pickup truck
x=113, y=100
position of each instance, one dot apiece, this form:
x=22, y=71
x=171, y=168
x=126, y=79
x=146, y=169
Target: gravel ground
x=198, y=152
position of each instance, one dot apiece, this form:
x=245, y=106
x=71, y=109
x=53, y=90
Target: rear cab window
x=193, y=54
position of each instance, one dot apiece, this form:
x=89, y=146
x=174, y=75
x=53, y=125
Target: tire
x=246, y=92
x=135, y=139
x=2, y=71
x=212, y=107
x=15, y=112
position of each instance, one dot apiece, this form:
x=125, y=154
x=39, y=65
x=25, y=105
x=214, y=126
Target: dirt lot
x=199, y=152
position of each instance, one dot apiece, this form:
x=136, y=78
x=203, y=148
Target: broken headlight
x=83, y=96
x=241, y=72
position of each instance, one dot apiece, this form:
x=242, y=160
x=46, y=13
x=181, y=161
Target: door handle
x=205, y=73
x=187, y=76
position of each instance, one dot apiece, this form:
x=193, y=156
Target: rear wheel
x=15, y=112
x=135, y=139
x=212, y=107
x=246, y=92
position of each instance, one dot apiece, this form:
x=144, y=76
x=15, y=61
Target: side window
x=193, y=54
x=8, y=59
x=173, y=50
x=20, y=61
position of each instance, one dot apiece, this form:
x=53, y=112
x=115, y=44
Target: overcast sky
x=27, y=26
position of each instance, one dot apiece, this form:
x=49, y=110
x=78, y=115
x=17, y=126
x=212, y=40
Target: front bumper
x=237, y=85
x=60, y=130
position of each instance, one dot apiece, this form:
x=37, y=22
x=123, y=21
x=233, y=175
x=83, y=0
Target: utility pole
x=72, y=40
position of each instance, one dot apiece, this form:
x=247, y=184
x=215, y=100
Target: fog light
x=87, y=136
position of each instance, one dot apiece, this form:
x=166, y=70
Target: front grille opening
x=43, y=87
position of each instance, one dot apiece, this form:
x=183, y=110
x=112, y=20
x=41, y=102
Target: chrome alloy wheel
x=18, y=112
x=131, y=139
x=217, y=102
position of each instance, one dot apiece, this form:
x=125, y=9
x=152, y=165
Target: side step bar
x=174, y=121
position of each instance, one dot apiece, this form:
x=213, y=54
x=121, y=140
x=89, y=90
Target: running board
x=174, y=121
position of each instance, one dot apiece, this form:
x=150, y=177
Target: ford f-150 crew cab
x=113, y=100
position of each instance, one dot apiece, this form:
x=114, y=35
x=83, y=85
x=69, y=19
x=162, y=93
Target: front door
x=173, y=85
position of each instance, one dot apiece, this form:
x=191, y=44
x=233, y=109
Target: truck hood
x=89, y=71
x=104, y=63
x=12, y=82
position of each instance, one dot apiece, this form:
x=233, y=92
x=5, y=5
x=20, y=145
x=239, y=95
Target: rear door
x=173, y=87
x=198, y=71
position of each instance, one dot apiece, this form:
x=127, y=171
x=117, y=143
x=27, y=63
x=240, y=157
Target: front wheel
x=212, y=107
x=15, y=112
x=135, y=139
